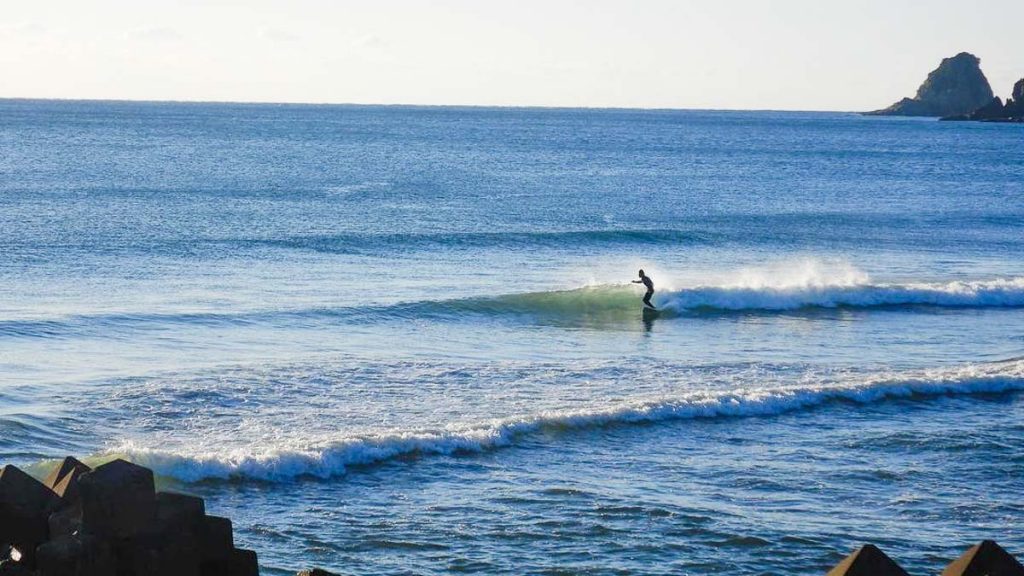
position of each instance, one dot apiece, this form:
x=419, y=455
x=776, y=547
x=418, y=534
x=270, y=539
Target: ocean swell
x=622, y=302
x=376, y=244
x=599, y=303
x=334, y=458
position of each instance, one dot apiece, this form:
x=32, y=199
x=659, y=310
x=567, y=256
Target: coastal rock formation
x=956, y=87
x=24, y=507
x=867, y=561
x=985, y=559
x=110, y=520
x=996, y=111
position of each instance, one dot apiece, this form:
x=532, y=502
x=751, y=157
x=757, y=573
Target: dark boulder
x=985, y=559
x=78, y=555
x=63, y=479
x=217, y=545
x=154, y=554
x=24, y=507
x=65, y=521
x=181, y=524
x=243, y=563
x=118, y=500
x=867, y=561
x=21, y=491
x=67, y=466
x=110, y=522
x=316, y=572
x=956, y=87
x=180, y=513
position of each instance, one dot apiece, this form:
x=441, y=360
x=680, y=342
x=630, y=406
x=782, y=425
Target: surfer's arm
x=636, y=282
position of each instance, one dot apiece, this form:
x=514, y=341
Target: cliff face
x=956, y=87
x=996, y=111
x=1015, y=105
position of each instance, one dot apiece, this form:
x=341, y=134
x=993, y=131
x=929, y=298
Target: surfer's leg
x=647, y=298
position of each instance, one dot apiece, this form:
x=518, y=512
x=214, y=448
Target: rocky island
x=956, y=87
x=996, y=111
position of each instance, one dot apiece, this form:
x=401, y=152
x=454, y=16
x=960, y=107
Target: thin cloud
x=154, y=34
x=24, y=29
x=368, y=41
x=276, y=35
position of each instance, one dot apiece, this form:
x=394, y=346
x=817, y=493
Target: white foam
x=327, y=459
x=778, y=286
x=831, y=284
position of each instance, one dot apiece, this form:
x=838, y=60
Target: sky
x=721, y=54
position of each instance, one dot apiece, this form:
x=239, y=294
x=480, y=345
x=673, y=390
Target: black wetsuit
x=650, y=290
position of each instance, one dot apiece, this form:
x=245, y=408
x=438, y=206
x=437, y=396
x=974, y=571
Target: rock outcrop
x=996, y=111
x=956, y=87
x=985, y=559
x=110, y=520
x=867, y=561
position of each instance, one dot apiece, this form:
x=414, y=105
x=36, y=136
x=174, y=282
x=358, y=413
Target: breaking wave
x=1000, y=293
x=334, y=458
x=799, y=288
x=980, y=294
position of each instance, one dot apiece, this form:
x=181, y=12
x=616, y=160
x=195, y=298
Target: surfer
x=646, y=281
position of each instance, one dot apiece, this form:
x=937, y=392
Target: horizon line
x=413, y=105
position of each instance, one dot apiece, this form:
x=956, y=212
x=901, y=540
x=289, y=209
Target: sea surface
x=401, y=340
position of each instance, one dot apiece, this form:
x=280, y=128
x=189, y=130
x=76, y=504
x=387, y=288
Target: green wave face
x=594, y=306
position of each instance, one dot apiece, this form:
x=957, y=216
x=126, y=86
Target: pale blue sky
x=771, y=54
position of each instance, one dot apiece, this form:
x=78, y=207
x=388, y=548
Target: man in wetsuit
x=646, y=281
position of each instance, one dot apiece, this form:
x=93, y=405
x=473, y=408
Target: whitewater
x=394, y=340
x=328, y=458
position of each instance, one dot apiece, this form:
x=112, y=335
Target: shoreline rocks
x=956, y=87
x=868, y=559
x=983, y=559
x=110, y=521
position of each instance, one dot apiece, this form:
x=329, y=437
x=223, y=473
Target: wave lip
x=330, y=459
x=612, y=302
x=1000, y=293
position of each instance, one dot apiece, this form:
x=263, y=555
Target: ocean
x=404, y=340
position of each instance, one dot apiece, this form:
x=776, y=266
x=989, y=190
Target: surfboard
x=649, y=312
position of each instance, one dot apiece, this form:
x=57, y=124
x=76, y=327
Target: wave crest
x=1000, y=293
x=799, y=288
x=325, y=460
x=623, y=301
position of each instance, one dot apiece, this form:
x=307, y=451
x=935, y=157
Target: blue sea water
x=400, y=340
